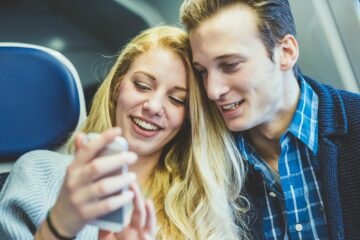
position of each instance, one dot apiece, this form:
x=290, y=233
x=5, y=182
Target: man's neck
x=265, y=138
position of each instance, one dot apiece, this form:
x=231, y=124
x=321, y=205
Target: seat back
x=41, y=99
x=3, y=177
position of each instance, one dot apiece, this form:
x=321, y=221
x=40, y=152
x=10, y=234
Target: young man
x=299, y=137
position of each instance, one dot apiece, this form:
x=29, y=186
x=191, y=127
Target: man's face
x=236, y=69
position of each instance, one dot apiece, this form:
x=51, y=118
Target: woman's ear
x=289, y=52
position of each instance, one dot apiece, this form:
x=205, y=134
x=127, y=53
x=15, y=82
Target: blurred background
x=91, y=32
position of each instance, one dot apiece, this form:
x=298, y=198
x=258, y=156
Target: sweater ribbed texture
x=30, y=191
x=349, y=168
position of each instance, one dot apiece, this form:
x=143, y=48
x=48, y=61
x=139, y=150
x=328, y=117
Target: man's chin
x=236, y=126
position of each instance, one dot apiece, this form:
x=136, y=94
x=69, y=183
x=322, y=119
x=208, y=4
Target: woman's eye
x=229, y=67
x=177, y=101
x=142, y=86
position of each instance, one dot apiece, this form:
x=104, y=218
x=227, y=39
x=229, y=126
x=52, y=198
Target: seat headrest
x=41, y=99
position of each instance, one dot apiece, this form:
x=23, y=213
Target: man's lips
x=231, y=106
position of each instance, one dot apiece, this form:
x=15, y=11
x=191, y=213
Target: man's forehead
x=223, y=34
x=227, y=23
x=231, y=14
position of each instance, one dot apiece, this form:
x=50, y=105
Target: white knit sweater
x=30, y=191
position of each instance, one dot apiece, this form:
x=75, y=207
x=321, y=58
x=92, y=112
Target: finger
x=106, y=165
x=79, y=139
x=127, y=233
x=105, y=235
x=148, y=237
x=150, y=225
x=104, y=187
x=99, y=208
x=88, y=151
x=139, y=213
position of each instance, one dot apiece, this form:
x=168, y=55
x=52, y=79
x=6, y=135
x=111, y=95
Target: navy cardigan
x=339, y=157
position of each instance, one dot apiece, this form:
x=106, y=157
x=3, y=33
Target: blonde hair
x=196, y=184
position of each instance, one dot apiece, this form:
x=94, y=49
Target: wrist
x=59, y=233
x=44, y=233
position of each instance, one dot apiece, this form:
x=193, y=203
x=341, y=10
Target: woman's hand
x=143, y=221
x=90, y=184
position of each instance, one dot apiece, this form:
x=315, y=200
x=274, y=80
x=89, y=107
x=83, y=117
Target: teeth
x=145, y=125
x=231, y=106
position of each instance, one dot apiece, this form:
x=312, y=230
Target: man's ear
x=289, y=52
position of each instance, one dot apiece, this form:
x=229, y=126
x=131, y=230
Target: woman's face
x=151, y=102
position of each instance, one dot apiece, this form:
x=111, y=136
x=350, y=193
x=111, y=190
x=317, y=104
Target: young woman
x=179, y=153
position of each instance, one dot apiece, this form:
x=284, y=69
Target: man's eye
x=202, y=72
x=177, y=101
x=141, y=86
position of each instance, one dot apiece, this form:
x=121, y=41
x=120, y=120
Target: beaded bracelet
x=54, y=231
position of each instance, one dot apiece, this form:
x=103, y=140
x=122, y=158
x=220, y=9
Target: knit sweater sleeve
x=30, y=191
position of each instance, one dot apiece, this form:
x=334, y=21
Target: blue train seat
x=41, y=100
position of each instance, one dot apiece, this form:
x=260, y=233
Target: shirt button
x=298, y=227
x=272, y=194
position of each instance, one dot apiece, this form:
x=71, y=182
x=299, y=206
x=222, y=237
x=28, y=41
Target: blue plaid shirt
x=292, y=206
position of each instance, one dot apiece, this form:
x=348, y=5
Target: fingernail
x=129, y=194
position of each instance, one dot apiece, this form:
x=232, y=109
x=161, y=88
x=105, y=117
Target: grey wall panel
x=323, y=53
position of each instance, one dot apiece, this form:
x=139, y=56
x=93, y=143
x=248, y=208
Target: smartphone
x=114, y=221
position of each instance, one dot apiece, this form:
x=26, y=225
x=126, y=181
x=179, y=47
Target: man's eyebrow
x=196, y=64
x=221, y=57
x=232, y=55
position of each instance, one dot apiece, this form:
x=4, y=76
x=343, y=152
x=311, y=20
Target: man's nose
x=216, y=86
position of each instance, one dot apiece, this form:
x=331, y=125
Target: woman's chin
x=143, y=149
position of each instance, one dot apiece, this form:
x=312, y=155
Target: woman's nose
x=154, y=107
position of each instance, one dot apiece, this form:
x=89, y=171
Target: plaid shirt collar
x=304, y=125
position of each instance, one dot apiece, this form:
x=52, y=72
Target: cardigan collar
x=331, y=115
x=332, y=121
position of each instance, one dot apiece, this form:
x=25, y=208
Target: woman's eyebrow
x=181, y=88
x=145, y=73
x=154, y=79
